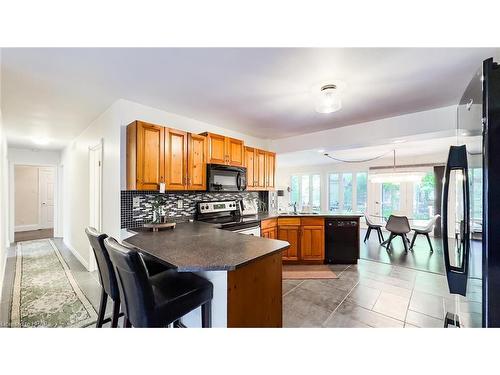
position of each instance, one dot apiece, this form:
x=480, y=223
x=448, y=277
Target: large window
x=361, y=191
x=390, y=198
x=347, y=191
x=476, y=194
x=423, y=197
x=333, y=192
x=306, y=192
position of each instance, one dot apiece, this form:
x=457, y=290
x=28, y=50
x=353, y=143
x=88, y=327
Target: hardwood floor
x=33, y=235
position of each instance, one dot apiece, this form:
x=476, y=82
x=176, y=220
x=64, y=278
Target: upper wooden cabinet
x=158, y=154
x=197, y=164
x=260, y=169
x=225, y=150
x=250, y=164
x=270, y=174
x=145, y=156
x=176, y=156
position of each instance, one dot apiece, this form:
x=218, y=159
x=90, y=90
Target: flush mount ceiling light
x=328, y=100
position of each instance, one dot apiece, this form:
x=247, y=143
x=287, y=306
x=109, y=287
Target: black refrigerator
x=467, y=217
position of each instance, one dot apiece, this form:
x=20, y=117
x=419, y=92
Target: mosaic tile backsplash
x=133, y=217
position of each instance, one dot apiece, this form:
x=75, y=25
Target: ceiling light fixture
x=328, y=100
x=396, y=176
x=321, y=151
x=399, y=141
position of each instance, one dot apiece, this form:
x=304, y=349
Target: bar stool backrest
x=104, y=265
x=136, y=292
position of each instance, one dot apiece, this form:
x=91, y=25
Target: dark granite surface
x=197, y=246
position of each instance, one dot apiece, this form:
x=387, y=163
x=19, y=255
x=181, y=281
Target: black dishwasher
x=341, y=241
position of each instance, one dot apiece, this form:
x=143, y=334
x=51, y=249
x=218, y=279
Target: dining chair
x=376, y=227
x=398, y=226
x=425, y=230
x=159, y=300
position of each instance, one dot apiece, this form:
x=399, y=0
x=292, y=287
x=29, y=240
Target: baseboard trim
x=77, y=255
x=26, y=228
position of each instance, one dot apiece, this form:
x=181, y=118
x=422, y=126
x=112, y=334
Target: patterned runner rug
x=45, y=292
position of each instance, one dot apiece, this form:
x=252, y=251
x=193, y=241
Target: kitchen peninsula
x=245, y=270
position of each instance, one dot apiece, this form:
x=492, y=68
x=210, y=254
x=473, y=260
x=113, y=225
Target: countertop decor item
x=158, y=226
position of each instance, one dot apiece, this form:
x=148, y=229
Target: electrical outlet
x=136, y=201
x=180, y=203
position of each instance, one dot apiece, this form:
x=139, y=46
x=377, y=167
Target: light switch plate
x=136, y=202
x=180, y=203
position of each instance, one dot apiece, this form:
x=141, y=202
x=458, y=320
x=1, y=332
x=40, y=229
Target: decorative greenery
x=157, y=205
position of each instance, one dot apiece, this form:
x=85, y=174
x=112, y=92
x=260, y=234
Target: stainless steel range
x=227, y=215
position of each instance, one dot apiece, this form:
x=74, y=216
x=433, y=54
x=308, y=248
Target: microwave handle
x=239, y=181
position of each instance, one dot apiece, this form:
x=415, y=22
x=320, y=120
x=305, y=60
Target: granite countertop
x=197, y=246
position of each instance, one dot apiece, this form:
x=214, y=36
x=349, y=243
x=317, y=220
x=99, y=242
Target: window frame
x=299, y=198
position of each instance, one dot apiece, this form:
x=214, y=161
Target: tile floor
x=372, y=294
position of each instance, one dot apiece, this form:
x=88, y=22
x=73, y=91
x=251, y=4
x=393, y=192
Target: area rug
x=45, y=293
x=313, y=271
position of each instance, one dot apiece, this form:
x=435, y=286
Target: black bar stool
x=159, y=300
x=107, y=276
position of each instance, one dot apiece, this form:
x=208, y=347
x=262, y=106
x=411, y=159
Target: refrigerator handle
x=457, y=275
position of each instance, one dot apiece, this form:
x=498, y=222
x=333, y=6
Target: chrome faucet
x=295, y=208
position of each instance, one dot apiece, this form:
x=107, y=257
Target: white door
x=46, y=194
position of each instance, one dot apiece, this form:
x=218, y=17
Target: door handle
x=457, y=275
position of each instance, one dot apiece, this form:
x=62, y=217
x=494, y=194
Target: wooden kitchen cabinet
x=269, y=229
x=235, y=150
x=260, y=169
x=176, y=156
x=197, y=165
x=145, y=156
x=270, y=170
x=312, y=239
x=250, y=165
x=306, y=237
x=225, y=150
x=289, y=230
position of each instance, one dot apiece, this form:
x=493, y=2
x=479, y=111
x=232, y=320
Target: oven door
x=225, y=178
x=253, y=231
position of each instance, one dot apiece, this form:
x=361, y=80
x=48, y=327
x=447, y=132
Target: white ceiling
x=264, y=92
x=409, y=148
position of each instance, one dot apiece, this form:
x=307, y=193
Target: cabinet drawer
x=312, y=221
x=289, y=221
x=269, y=223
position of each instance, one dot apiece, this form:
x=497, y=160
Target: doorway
x=34, y=202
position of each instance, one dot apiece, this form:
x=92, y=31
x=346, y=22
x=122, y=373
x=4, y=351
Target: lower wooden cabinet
x=290, y=233
x=269, y=229
x=306, y=237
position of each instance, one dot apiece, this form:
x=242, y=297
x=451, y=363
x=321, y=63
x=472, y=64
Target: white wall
x=34, y=157
x=4, y=183
x=110, y=127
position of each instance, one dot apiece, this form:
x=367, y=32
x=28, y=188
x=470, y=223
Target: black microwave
x=226, y=178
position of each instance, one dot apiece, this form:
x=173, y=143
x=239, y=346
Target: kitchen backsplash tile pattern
x=133, y=217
